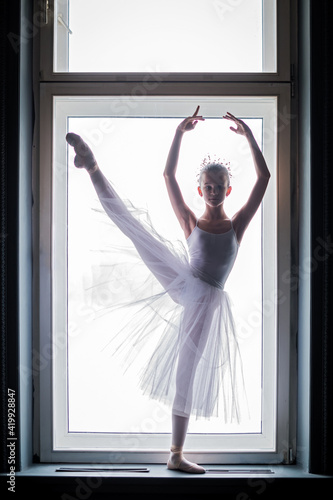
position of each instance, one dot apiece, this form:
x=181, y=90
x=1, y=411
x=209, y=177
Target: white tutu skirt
x=180, y=326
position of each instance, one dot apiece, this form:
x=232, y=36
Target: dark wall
x=321, y=416
x=16, y=132
x=9, y=139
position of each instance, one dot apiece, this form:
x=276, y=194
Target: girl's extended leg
x=153, y=252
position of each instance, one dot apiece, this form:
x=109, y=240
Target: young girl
x=197, y=355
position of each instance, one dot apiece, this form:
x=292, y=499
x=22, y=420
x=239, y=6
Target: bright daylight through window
x=200, y=36
x=92, y=265
x=93, y=276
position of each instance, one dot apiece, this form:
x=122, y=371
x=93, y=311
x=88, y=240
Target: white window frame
x=59, y=50
x=58, y=446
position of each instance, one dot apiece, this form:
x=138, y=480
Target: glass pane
x=101, y=397
x=205, y=36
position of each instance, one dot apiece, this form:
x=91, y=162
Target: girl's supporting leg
x=195, y=327
x=176, y=460
x=179, y=430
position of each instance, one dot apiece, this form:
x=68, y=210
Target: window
x=101, y=110
x=138, y=39
x=101, y=39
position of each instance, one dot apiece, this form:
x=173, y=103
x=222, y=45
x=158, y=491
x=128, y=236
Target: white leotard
x=212, y=256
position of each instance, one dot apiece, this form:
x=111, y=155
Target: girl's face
x=214, y=188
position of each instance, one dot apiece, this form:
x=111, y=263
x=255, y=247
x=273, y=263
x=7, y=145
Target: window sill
x=241, y=482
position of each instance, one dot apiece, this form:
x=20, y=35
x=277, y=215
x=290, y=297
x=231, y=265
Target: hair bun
x=209, y=163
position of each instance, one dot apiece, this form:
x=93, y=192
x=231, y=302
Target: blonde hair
x=209, y=165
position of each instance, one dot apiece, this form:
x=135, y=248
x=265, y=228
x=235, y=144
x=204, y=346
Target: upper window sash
x=52, y=51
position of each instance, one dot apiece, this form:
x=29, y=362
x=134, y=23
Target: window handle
x=62, y=22
x=46, y=11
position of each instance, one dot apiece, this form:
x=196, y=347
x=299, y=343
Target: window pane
x=166, y=36
x=95, y=376
x=131, y=138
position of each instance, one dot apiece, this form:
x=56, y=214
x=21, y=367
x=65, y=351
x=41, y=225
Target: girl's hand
x=242, y=128
x=190, y=122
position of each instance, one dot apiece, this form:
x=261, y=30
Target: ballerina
x=199, y=348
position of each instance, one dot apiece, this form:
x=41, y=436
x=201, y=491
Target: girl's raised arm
x=243, y=217
x=183, y=213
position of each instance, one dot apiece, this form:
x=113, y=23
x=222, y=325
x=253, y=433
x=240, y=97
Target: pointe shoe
x=178, y=462
x=84, y=156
